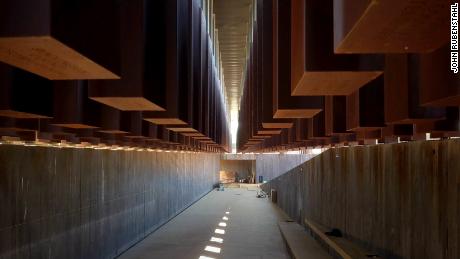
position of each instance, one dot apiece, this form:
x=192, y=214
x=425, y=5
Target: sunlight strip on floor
x=217, y=240
x=213, y=249
x=219, y=231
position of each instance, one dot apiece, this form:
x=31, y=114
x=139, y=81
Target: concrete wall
x=271, y=166
x=402, y=199
x=86, y=203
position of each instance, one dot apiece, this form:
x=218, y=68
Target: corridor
x=251, y=230
x=118, y=118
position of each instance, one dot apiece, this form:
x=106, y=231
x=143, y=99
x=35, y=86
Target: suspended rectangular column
x=390, y=26
x=61, y=40
x=315, y=69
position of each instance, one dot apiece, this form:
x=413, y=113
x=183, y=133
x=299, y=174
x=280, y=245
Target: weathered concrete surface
x=402, y=200
x=300, y=243
x=86, y=203
x=251, y=232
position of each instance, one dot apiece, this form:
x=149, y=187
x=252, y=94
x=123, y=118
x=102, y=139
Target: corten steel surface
x=269, y=132
x=277, y=125
x=412, y=187
x=61, y=40
x=390, y=26
x=75, y=126
x=182, y=69
x=402, y=79
x=315, y=69
x=133, y=92
x=316, y=126
x=128, y=103
x=56, y=61
x=21, y=115
x=438, y=85
x=182, y=129
x=335, y=115
x=165, y=55
x=296, y=113
x=284, y=104
x=365, y=107
x=164, y=121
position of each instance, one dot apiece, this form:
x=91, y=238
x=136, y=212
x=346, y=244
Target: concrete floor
x=251, y=231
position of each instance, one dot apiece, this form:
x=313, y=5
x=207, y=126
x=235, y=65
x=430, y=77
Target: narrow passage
x=224, y=224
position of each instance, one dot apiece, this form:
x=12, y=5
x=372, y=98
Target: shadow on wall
x=264, y=168
x=270, y=166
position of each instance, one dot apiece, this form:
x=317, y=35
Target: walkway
x=250, y=227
